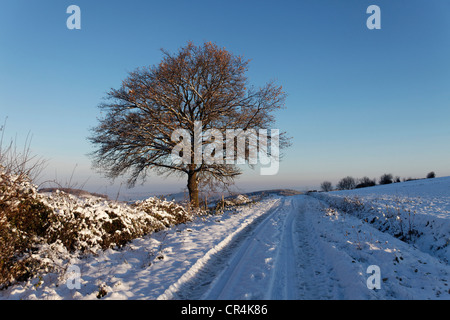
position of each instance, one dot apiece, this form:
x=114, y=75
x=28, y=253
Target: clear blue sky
x=360, y=102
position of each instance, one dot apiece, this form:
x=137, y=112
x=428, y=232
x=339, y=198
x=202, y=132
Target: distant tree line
x=350, y=183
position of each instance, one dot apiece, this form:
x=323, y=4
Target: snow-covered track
x=192, y=284
x=263, y=260
x=254, y=261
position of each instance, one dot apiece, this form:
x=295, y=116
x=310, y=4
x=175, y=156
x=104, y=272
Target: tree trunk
x=193, y=189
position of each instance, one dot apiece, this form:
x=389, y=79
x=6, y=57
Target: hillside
x=415, y=211
x=76, y=192
x=317, y=246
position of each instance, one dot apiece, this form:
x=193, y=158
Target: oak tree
x=204, y=85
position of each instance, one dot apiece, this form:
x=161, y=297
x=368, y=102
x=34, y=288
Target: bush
x=326, y=186
x=347, y=183
x=365, y=182
x=93, y=224
x=431, y=175
x=386, y=178
x=167, y=212
x=24, y=219
x=30, y=221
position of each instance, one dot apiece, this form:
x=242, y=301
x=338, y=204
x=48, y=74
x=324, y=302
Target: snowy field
x=415, y=211
x=318, y=246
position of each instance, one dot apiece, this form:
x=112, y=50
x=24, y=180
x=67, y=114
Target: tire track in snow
x=274, y=257
x=314, y=273
x=193, y=283
x=301, y=270
x=284, y=278
x=248, y=269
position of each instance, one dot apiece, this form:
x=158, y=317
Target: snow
x=281, y=247
x=420, y=207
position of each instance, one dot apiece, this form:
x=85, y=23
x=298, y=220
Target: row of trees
x=349, y=183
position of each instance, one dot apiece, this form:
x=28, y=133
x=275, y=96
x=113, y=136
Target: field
x=308, y=246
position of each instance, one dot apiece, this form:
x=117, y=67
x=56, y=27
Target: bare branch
x=204, y=84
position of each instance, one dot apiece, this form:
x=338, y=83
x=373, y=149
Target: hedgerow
x=30, y=221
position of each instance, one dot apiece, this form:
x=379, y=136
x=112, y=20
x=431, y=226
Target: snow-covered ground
x=296, y=247
x=415, y=211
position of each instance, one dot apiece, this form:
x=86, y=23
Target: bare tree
x=365, y=182
x=347, y=183
x=386, y=178
x=326, y=186
x=203, y=85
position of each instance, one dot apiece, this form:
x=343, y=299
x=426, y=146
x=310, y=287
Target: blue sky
x=360, y=102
